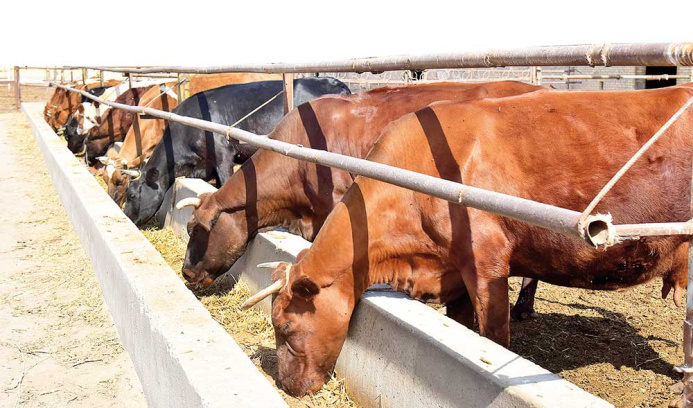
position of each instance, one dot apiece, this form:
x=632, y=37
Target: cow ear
x=301, y=254
x=207, y=215
x=80, y=108
x=152, y=176
x=305, y=288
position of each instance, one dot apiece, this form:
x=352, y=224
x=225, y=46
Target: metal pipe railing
x=658, y=54
x=596, y=230
x=536, y=213
x=664, y=77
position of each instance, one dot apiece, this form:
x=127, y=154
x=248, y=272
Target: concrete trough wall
x=182, y=356
x=402, y=353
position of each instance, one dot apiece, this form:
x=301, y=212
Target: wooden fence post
x=84, y=77
x=100, y=78
x=17, y=90
x=288, y=92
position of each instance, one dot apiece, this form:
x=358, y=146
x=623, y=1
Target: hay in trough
x=251, y=329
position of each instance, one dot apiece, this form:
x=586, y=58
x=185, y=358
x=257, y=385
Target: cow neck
x=261, y=191
x=343, y=252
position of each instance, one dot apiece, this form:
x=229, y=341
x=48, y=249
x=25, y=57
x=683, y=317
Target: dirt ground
x=29, y=93
x=621, y=346
x=58, y=345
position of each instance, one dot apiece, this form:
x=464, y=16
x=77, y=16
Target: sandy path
x=58, y=345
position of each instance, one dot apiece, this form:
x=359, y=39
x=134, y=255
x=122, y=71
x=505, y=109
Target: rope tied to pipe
x=166, y=90
x=251, y=113
x=610, y=239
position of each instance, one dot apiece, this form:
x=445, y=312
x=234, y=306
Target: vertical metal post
x=62, y=75
x=100, y=78
x=17, y=91
x=84, y=77
x=72, y=76
x=288, y=92
x=181, y=89
x=533, y=75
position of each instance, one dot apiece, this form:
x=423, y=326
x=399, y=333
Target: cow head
x=118, y=185
x=144, y=194
x=116, y=177
x=214, y=242
x=60, y=107
x=75, y=139
x=217, y=239
x=310, y=320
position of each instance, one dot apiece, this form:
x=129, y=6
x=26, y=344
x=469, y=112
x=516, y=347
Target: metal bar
x=540, y=214
x=645, y=77
x=154, y=76
x=687, y=367
x=634, y=231
x=288, y=92
x=181, y=89
x=101, y=78
x=661, y=54
x=17, y=89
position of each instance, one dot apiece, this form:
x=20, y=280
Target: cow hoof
x=518, y=316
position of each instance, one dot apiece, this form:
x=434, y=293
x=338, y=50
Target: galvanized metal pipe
x=659, y=54
x=664, y=77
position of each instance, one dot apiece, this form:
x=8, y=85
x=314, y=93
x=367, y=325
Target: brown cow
x=113, y=125
x=203, y=82
x=64, y=103
x=140, y=141
x=271, y=190
x=559, y=148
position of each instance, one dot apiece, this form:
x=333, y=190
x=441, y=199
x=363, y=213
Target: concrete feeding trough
x=182, y=357
x=399, y=352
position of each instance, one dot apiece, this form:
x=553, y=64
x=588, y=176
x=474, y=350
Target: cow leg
x=461, y=310
x=487, y=284
x=524, y=307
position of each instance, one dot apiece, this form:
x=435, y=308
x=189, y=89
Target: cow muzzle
x=199, y=279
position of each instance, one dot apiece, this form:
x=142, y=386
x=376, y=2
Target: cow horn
x=275, y=287
x=82, y=152
x=273, y=265
x=189, y=202
x=105, y=160
x=135, y=174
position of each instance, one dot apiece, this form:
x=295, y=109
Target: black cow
x=190, y=152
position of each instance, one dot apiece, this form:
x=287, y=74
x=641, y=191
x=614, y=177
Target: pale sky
x=203, y=33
